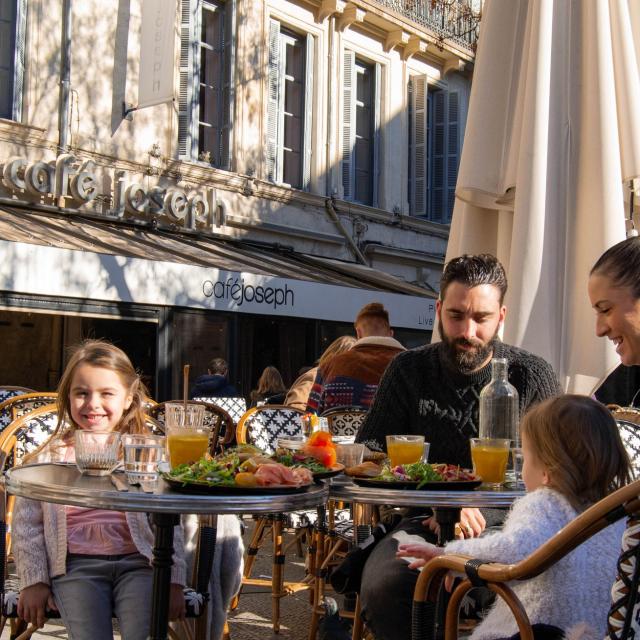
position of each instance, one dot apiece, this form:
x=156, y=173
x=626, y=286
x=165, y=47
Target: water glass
x=142, y=453
x=404, y=449
x=490, y=457
x=350, y=455
x=97, y=451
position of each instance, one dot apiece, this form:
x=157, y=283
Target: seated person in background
x=350, y=379
x=299, y=393
x=271, y=388
x=215, y=384
x=573, y=457
x=433, y=391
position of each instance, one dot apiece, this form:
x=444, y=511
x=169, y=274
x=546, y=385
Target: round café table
x=446, y=507
x=64, y=484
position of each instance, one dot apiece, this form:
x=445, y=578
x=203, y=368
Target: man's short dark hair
x=218, y=366
x=472, y=271
x=374, y=311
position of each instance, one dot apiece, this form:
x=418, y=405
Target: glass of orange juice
x=490, y=457
x=404, y=449
x=187, y=435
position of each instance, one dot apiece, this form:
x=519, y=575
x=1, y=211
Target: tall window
x=289, y=107
x=434, y=149
x=360, y=129
x=206, y=81
x=12, y=42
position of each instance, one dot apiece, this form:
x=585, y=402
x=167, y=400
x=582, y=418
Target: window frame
x=191, y=46
x=351, y=59
x=280, y=35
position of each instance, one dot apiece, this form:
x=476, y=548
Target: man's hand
x=422, y=552
x=33, y=602
x=471, y=525
x=177, y=607
x=472, y=522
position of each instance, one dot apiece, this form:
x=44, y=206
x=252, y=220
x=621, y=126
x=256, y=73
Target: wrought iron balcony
x=452, y=20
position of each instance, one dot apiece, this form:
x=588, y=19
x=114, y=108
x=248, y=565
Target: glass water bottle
x=499, y=415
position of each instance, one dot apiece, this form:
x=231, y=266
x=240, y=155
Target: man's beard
x=469, y=360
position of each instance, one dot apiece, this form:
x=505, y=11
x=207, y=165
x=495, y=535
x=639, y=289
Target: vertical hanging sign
x=156, y=52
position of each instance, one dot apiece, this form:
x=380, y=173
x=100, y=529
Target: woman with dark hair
x=614, y=291
x=271, y=388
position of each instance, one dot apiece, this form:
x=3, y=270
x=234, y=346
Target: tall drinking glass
x=187, y=435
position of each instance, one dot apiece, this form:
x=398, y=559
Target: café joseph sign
x=78, y=180
x=52, y=271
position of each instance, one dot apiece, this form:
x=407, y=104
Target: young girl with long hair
x=91, y=564
x=573, y=457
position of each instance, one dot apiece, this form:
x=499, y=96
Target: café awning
x=115, y=260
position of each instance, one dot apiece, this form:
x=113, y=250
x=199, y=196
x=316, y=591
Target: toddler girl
x=573, y=457
x=91, y=564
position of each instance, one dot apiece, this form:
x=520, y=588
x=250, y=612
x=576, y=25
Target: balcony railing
x=452, y=20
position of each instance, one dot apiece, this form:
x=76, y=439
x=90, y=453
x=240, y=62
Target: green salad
x=300, y=460
x=213, y=472
x=420, y=472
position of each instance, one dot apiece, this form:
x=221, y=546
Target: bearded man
x=434, y=391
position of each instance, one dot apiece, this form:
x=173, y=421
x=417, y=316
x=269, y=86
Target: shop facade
x=300, y=163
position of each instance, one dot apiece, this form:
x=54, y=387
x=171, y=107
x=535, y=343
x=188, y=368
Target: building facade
x=303, y=164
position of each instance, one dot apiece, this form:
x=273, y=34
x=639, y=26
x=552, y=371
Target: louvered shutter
x=376, y=106
x=18, y=74
x=274, y=87
x=228, y=90
x=453, y=148
x=438, y=156
x=349, y=88
x=418, y=143
x=188, y=56
x=308, y=112
x=7, y=58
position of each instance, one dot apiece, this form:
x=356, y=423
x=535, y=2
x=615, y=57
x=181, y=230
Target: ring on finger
x=469, y=530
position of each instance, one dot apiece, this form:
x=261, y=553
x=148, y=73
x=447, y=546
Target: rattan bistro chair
x=8, y=392
x=345, y=421
x=626, y=607
x=13, y=408
x=262, y=426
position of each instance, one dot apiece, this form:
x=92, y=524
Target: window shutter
x=273, y=103
x=18, y=75
x=188, y=55
x=419, y=155
x=228, y=91
x=453, y=146
x=349, y=89
x=308, y=112
x=438, y=202
x=376, y=99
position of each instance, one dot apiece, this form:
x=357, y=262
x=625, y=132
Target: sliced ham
x=274, y=473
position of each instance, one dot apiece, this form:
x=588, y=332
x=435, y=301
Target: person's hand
x=471, y=525
x=177, y=607
x=33, y=602
x=421, y=552
x=472, y=522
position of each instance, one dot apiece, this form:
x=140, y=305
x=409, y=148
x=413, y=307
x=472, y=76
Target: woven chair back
x=235, y=407
x=345, y=421
x=628, y=419
x=262, y=426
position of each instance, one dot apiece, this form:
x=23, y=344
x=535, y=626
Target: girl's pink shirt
x=96, y=531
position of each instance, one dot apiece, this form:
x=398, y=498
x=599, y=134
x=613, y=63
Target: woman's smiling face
x=617, y=316
x=97, y=398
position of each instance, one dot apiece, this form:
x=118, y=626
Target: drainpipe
x=65, y=78
x=333, y=214
x=330, y=115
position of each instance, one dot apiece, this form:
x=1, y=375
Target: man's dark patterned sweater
x=423, y=393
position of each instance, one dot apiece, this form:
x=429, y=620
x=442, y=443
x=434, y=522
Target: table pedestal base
x=162, y=561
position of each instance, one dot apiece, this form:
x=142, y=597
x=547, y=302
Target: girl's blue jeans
x=96, y=589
